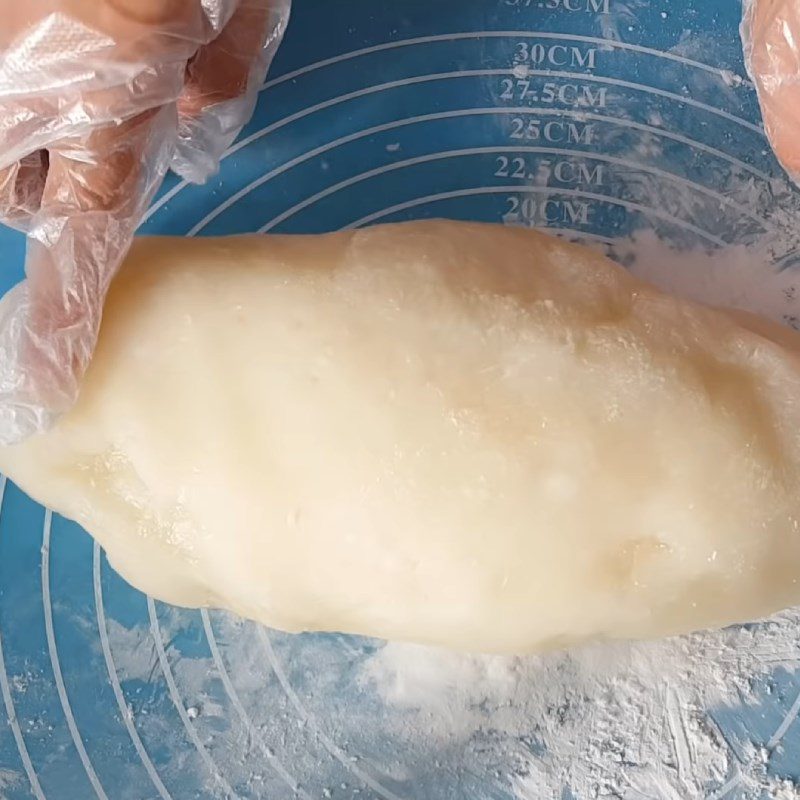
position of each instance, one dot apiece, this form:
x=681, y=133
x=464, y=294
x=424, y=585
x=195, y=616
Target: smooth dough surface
x=457, y=434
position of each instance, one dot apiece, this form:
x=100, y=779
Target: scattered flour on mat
x=734, y=277
x=8, y=780
x=630, y=721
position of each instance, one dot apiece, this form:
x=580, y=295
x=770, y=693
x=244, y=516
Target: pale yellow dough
x=457, y=434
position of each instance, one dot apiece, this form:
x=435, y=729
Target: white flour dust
x=618, y=721
x=8, y=780
x=733, y=277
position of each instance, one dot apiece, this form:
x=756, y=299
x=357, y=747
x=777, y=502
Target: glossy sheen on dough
x=451, y=433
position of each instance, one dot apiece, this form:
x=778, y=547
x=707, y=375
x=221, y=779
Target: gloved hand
x=98, y=98
x=771, y=36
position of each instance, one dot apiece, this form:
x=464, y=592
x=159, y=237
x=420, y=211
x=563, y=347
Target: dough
x=456, y=434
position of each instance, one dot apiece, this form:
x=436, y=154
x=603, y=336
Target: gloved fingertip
x=222, y=85
x=194, y=164
x=203, y=139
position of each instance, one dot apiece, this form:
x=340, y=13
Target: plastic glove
x=771, y=36
x=98, y=98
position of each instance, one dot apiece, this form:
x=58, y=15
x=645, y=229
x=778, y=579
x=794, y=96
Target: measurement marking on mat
x=581, y=95
x=533, y=129
x=533, y=212
x=575, y=93
x=595, y=7
x=490, y=150
x=480, y=190
x=331, y=746
x=233, y=695
x=564, y=172
x=446, y=38
x=124, y=710
x=56, y=664
x=555, y=55
x=8, y=698
x=164, y=199
x=263, y=179
x=175, y=695
x=791, y=716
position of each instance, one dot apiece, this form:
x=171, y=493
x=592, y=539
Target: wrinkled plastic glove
x=98, y=98
x=771, y=36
